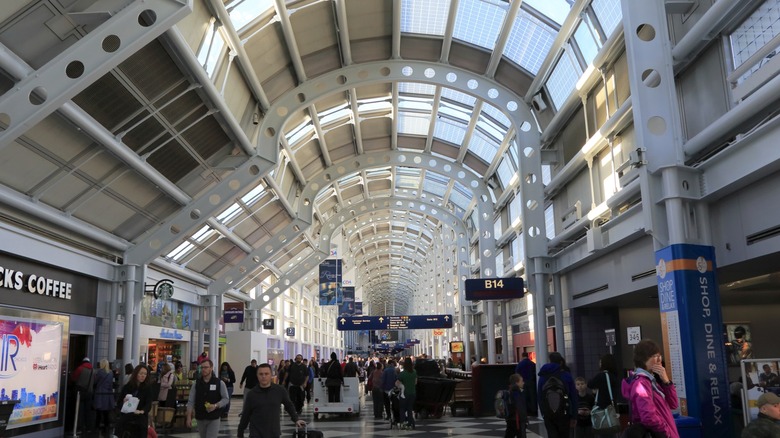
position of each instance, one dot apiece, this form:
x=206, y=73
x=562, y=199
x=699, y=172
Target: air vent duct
x=642, y=275
x=763, y=235
x=591, y=292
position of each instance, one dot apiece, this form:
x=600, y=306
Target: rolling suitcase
x=307, y=433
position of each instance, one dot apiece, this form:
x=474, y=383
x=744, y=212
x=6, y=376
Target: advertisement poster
x=330, y=282
x=166, y=313
x=347, y=305
x=30, y=367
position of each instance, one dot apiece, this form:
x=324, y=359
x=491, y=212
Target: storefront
x=162, y=344
x=47, y=325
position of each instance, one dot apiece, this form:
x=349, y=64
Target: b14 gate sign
x=478, y=289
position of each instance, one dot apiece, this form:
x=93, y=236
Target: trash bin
x=688, y=427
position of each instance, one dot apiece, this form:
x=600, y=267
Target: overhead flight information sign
x=346, y=323
x=478, y=289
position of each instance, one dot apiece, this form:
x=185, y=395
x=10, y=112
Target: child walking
x=585, y=401
x=517, y=418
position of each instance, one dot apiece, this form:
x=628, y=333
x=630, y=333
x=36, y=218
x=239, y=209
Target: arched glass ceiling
x=440, y=118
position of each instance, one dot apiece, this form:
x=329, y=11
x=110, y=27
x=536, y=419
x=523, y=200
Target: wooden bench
x=462, y=398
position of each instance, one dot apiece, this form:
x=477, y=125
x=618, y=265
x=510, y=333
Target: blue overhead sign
x=478, y=289
x=347, y=323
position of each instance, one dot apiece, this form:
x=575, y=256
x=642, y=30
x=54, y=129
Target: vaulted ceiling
x=203, y=146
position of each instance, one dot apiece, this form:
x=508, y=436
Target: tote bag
x=605, y=420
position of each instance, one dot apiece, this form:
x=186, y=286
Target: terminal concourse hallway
x=334, y=426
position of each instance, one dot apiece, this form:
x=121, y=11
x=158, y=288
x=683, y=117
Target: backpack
x=86, y=381
x=554, y=399
x=503, y=404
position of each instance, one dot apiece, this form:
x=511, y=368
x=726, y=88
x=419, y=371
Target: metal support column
x=113, y=313
x=505, y=331
x=560, y=345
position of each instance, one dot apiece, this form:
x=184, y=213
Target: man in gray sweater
x=262, y=408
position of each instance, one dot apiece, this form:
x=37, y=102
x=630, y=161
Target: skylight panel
x=479, y=22
x=229, y=213
x=449, y=131
x=563, y=78
x=455, y=112
x=457, y=96
x=424, y=16
x=416, y=88
x=434, y=186
x=407, y=178
x=556, y=10
x=483, y=147
x=423, y=105
x=505, y=171
x=413, y=124
x=299, y=132
x=460, y=200
x=586, y=40
x=609, y=14
x=529, y=42
x=244, y=11
x=491, y=129
x=375, y=106
x=180, y=251
x=343, y=113
x=497, y=115
x=253, y=195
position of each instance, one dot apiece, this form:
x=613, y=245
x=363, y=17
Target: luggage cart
x=350, y=398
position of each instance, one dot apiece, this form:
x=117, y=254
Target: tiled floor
x=364, y=425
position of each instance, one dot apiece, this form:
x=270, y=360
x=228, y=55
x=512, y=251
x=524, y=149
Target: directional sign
x=347, y=323
x=494, y=289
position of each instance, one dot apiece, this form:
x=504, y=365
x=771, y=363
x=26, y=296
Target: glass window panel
x=203, y=233
x=518, y=250
x=243, y=11
x=505, y=171
x=478, y=22
x=424, y=16
x=299, y=132
x=180, y=251
x=461, y=201
x=413, y=124
x=491, y=129
x=415, y=105
x=457, y=96
x=500, y=264
x=546, y=174
x=588, y=45
x=455, y=112
x=253, y=195
x=210, y=50
x=556, y=10
x=497, y=230
x=563, y=79
x=754, y=33
x=529, y=42
x=229, y=213
x=608, y=13
x=416, y=88
x=483, y=147
x=515, y=209
x=449, y=131
x=497, y=115
x=549, y=221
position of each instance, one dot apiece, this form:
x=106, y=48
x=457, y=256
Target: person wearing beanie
x=766, y=425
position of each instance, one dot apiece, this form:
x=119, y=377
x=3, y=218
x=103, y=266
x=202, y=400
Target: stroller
x=395, y=408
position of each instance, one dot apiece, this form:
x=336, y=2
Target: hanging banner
x=358, y=308
x=330, y=282
x=234, y=312
x=692, y=324
x=347, y=305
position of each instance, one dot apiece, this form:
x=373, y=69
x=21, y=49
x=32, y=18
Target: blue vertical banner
x=330, y=282
x=691, y=321
x=347, y=305
x=358, y=307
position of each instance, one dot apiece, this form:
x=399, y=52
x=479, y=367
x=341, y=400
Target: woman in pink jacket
x=651, y=397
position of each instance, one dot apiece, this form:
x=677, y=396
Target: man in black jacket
x=208, y=396
x=262, y=408
x=250, y=377
x=298, y=377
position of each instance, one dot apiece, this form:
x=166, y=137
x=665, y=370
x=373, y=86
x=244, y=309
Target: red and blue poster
x=30, y=368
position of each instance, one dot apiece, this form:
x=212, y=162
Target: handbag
x=605, y=420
